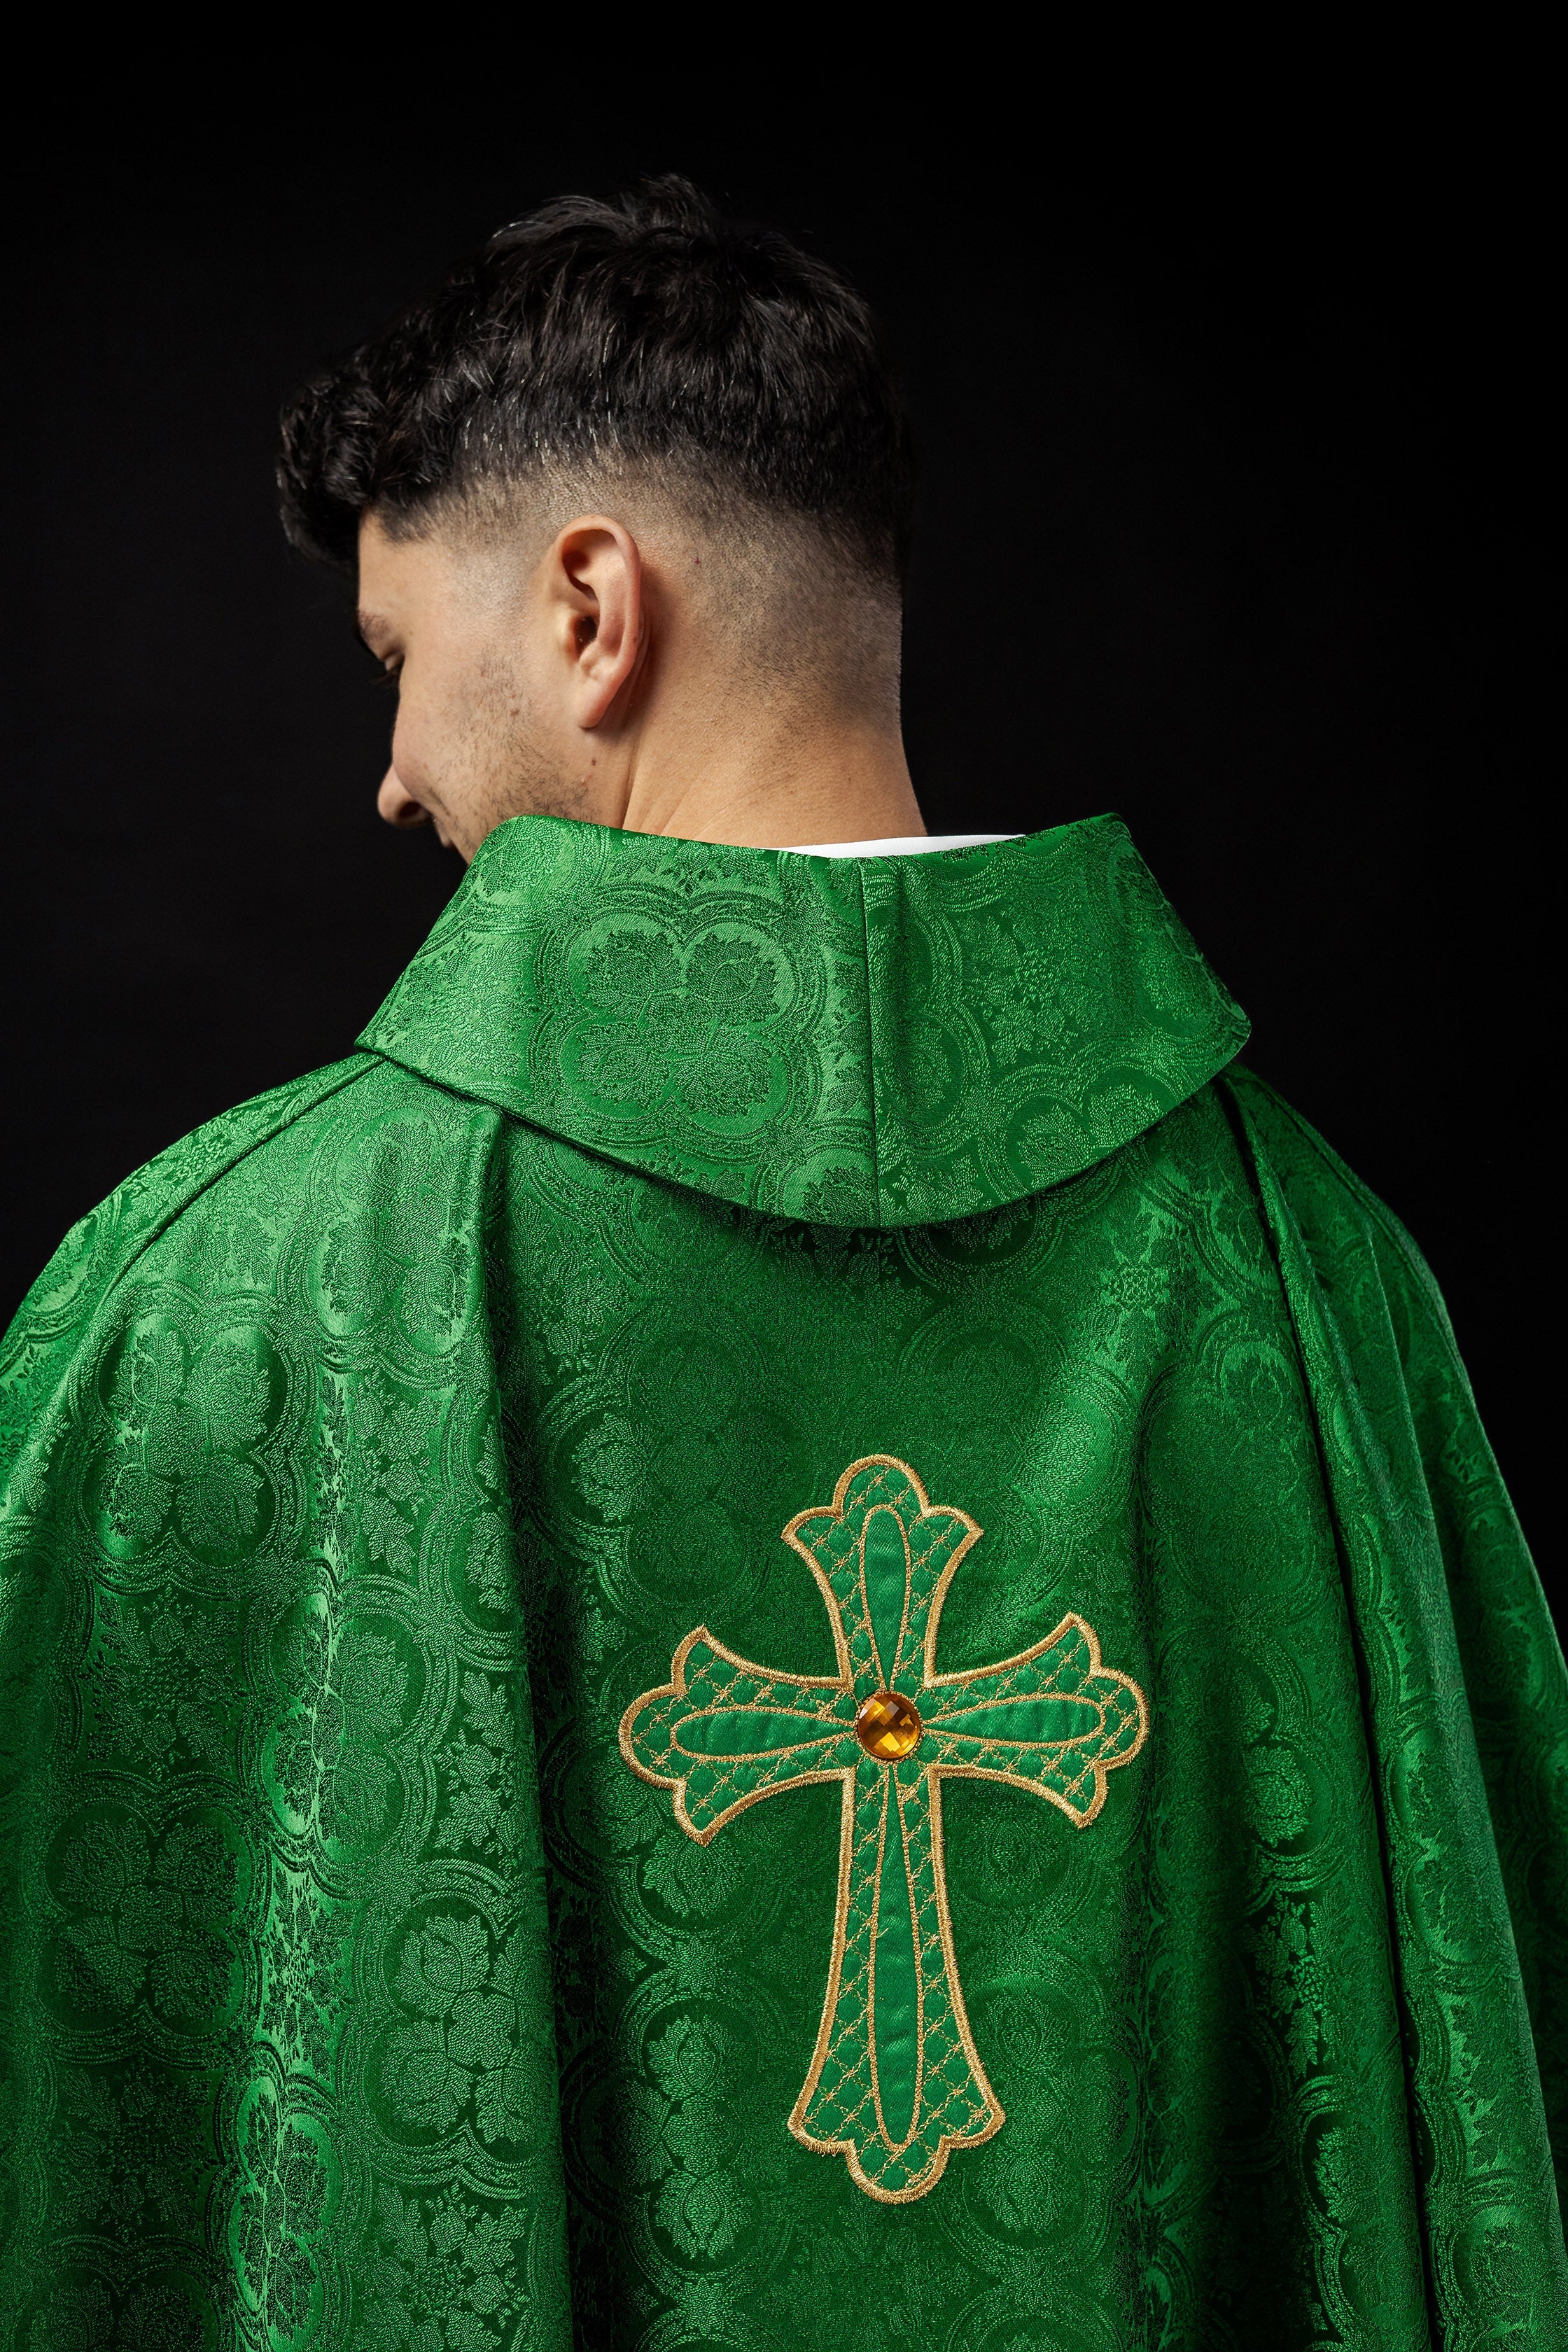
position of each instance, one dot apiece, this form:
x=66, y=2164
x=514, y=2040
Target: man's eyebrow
x=371, y=627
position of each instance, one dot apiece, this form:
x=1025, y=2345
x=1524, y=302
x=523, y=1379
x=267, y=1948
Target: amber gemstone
x=888, y=1726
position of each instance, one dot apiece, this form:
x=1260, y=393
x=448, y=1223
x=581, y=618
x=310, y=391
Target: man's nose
x=396, y=803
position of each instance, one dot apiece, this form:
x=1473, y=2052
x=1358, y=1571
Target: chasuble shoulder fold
x=787, y=1621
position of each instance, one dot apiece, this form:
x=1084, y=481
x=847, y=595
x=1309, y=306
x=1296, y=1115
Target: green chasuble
x=786, y=1630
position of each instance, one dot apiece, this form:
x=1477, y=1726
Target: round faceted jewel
x=888, y=1726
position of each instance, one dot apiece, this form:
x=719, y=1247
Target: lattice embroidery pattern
x=895, y=2080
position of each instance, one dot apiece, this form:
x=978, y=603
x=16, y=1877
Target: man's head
x=629, y=482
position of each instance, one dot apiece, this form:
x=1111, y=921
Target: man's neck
x=774, y=786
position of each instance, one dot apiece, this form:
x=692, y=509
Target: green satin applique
x=895, y=2081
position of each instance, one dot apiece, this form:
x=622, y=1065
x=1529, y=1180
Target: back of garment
x=787, y=1626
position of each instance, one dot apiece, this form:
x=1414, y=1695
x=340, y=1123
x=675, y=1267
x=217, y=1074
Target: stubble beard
x=505, y=765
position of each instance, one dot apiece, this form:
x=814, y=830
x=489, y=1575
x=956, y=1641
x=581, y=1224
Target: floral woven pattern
x=361, y=1458
x=870, y=1043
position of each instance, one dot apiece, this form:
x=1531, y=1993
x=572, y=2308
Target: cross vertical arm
x=895, y=2082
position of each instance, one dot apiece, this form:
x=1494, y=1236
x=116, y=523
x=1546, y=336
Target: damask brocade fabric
x=858, y=1042
x=788, y=1627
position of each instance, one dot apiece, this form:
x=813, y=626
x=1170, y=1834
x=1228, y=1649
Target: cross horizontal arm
x=724, y=1732
x=1054, y=1721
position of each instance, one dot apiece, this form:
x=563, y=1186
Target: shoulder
x=1354, y=1241
x=216, y=1209
x=100, y=1245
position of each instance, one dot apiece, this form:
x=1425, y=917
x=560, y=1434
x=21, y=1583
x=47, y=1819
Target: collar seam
x=871, y=1045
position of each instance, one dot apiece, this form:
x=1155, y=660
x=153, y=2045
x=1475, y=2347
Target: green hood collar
x=890, y=1041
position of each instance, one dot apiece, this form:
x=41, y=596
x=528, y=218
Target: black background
x=1228, y=524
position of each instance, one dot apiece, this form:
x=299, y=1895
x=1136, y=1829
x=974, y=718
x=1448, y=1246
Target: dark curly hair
x=647, y=332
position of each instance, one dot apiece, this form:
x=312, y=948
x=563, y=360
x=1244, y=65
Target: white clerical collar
x=913, y=846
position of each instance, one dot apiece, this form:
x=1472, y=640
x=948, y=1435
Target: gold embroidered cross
x=895, y=2080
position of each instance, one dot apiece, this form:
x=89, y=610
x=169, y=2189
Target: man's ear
x=594, y=577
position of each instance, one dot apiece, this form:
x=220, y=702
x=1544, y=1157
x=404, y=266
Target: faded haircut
x=643, y=339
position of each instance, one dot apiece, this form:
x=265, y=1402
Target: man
x=788, y=1627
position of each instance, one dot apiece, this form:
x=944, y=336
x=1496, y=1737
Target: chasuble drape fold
x=789, y=1622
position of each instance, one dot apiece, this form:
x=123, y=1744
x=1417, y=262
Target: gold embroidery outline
x=675, y=1688
x=932, y=1773
x=835, y=1511
x=926, y=2180
x=933, y=1726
